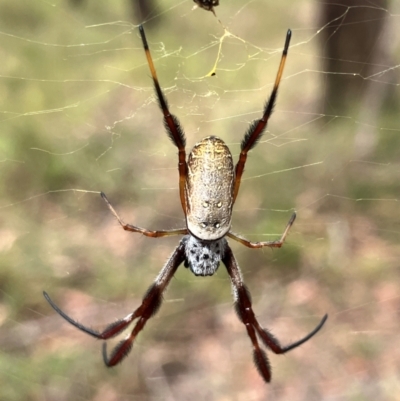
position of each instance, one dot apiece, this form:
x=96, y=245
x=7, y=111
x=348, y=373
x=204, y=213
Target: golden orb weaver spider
x=208, y=187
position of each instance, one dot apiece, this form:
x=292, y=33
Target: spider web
x=79, y=116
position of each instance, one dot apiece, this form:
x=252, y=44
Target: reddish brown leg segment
x=171, y=123
x=148, y=308
x=246, y=315
x=257, y=127
x=135, y=229
x=272, y=244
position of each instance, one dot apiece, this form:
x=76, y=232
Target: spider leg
x=135, y=229
x=272, y=244
x=112, y=330
x=171, y=122
x=273, y=344
x=257, y=127
x=149, y=307
x=246, y=315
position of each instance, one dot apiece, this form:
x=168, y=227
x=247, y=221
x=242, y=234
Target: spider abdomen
x=203, y=257
x=208, y=189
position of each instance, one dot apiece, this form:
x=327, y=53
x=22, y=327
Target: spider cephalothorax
x=208, y=186
x=209, y=189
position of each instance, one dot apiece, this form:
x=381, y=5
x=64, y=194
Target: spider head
x=209, y=227
x=203, y=257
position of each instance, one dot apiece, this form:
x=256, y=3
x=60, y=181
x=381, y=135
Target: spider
x=207, y=4
x=208, y=186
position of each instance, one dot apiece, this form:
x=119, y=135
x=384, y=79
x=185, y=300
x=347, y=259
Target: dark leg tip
x=288, y=37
